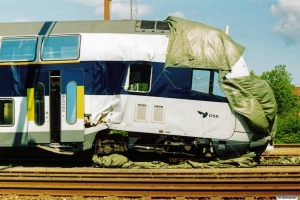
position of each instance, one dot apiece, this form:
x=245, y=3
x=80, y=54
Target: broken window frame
x=134, y=87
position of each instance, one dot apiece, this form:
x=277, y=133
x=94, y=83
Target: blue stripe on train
x=106, y=78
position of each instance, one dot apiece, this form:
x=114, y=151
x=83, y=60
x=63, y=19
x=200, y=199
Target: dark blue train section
x=105, y=78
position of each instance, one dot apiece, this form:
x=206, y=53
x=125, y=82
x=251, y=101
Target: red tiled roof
x=298, y=91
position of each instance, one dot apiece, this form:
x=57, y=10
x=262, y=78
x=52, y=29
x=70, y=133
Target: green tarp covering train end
x=196, y=45
x=120, y=161
x=252, y=98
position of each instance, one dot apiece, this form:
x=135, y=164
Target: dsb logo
x=213, y=115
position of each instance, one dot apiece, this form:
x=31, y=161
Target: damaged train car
x=170, y=87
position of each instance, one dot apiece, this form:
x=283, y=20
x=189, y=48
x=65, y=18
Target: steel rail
x=119, y=172
x=157, y=188
x=153, y=176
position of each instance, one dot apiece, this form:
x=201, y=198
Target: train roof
x=71, y=27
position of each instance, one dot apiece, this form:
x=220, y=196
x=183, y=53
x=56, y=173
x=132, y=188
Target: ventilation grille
x=158, y=114
x=141, y=112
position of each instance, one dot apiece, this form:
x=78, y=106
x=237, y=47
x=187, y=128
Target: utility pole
x=107, y=9
x=133, y=9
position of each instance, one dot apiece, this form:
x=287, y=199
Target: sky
x=269, y=29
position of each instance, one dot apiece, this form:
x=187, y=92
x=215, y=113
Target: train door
x=38, y=101
x=72, y=106
x=55, y=101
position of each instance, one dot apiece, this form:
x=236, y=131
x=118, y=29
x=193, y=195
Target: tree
x=252, y=73
x=284, y=91
x=288, y=126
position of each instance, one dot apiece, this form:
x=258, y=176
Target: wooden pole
x=107, y=9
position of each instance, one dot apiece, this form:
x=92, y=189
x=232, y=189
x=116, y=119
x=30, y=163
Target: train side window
x=201, y=80
x=206, y=81
x=139, y=78
x=18, y=49
x=39, y=104
x=6, y=112
x=217, y=90
x=60, y=47
x=71, y=102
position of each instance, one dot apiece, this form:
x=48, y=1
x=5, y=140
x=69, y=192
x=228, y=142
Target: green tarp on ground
x=280, y=161
x=120, y=161
x=196, y=45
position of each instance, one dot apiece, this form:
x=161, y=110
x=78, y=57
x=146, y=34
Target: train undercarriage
x=180, y=146
x=165, y=145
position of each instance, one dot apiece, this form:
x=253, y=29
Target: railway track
x=282, y=150
x=251, y=183
x=138, y=183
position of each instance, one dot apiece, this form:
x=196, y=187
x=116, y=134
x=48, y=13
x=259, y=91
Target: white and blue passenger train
x=68, y=86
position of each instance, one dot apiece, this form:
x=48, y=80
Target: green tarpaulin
x=280, y=161
x=253, y=98
x=196, y=45
x=120, y=161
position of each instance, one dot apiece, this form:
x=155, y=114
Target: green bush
x=288, y=129
x=288, y=104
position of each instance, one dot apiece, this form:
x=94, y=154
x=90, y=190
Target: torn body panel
x=172, y=117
